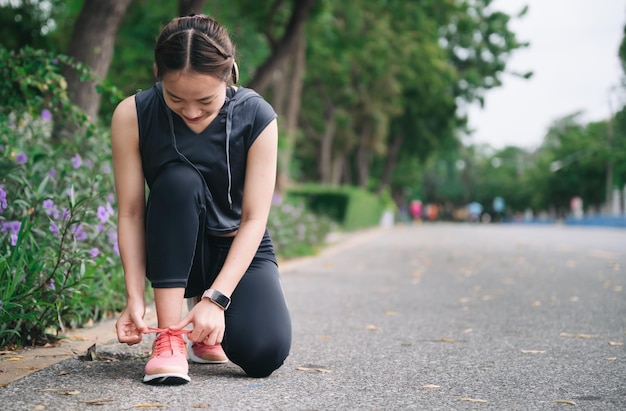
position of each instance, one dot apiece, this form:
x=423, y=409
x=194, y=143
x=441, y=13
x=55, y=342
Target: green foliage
x=351, y=207
x=58, y=264
x=296, y=231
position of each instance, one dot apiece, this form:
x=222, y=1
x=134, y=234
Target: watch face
x=220, y=299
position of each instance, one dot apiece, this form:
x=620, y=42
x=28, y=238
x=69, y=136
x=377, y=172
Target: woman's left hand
x=208, y=323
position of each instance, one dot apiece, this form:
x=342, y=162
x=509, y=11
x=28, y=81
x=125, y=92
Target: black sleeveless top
x=218, y=153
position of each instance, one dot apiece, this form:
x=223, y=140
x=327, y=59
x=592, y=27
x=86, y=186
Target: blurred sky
x=573, y=54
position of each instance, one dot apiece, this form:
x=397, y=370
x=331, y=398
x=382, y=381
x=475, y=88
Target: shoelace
x=168, y=340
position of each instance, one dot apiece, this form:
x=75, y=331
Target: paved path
x=427, y=317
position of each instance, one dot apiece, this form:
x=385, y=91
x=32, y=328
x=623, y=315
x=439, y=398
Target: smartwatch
x=217, y=298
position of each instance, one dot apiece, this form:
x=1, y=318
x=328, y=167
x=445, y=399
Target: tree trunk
x=393, y=151
x=92, y=43
x=284, y=47
x=324, y=167
x=187, y=7
x=363, y=158
x=292, y=112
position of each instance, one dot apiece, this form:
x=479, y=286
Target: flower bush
x=295, y=230
x=58, y=248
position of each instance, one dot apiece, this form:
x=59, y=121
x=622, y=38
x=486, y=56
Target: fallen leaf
x=77, y=337
x=49, y=389
x=533, y=351
x=73, y=392
x=611, y=358
x=471, y=399
x=468, y=330
x=582, y=336
x=447, y=340
x=91, y=355
x=615, y=344
x=568, y=402
x=39, y=407
x=99, y=401
x=64, y=373
x=464, y=300
x=201, y=406
x=371, y=327
x=430, y=386
x=156, y=405
x=317, y=369
x=18, y=358
x=325, y=337
x=390, y=312
x=4, y=384
x=535, y=304
x=7, y=352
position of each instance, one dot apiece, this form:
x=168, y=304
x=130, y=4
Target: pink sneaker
x=206, y=354
x=168, y=362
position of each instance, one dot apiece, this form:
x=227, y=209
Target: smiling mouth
x=193, y=120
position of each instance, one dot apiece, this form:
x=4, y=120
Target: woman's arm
x=130, y=190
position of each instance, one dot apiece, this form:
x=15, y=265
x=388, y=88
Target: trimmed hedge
x=351, y=207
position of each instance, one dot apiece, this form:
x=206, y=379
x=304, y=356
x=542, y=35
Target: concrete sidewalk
x=433, y=317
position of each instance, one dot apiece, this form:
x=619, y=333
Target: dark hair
x=197, y=43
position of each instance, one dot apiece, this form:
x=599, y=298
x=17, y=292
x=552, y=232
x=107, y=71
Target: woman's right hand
x=130, y=326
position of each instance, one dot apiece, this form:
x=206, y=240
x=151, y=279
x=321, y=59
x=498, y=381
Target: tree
x=92, y=44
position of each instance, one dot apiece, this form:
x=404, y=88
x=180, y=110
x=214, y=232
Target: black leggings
x=179, y=254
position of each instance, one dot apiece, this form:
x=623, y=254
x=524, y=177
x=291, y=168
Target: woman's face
x=197, y=98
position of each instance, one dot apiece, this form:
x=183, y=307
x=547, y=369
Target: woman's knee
x=262, y=361
x=178, y=182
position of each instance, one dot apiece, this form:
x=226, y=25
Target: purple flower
x=106, y=169
x=13, y=239
x=76, y=161
x=50, y=208
x=111, y=197
x=12, y=226
x=110, y=209
x=54, y=228
x=79, y=233
x=46, y=114
x=21, y=158
x=51, y=284
x=1, y=147
x=3, y=198
x=93, y=252
x=69, y=192
x=99, y=228
x=52, y=173
x=66, y=214
x=102, y=214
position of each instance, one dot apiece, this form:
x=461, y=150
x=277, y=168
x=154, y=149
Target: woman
x=207, y=151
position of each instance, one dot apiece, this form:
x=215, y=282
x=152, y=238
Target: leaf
x=18, y=358
x=533, y=351
x=471, y=399
x=611, y=358
x=579, y=335
x=371, y=327
x=317, y=369
x=429, y=386
x=615, y=344
x=568, y=402
x=391, y=312
x=73, y=392
x=447, y=340
x=99, y=401
x=39, y=407
x=201, y=406
x=155, y=405
x=64, y=373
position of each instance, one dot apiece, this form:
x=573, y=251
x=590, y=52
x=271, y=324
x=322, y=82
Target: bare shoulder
x=125, y=112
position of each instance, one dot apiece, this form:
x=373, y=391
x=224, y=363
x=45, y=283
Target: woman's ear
x=156, y=71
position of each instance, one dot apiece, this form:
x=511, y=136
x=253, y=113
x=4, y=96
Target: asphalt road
x=426, y=317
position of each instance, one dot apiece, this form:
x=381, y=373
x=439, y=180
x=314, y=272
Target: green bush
x=296, y=231
x=58, y=245
x=351, y=207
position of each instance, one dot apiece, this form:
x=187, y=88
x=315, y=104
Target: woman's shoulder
x=125, y=110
